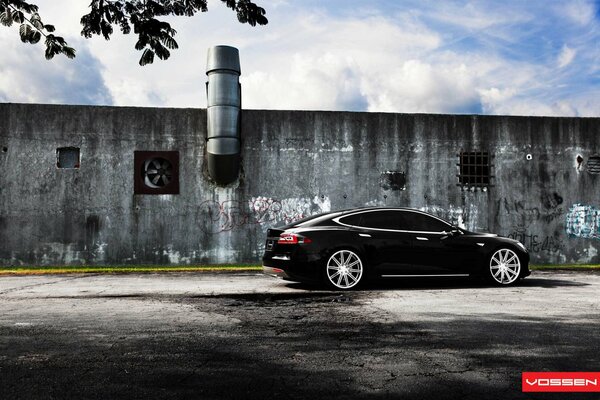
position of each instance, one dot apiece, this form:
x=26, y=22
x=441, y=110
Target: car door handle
x=364, y=235
x=421, y=238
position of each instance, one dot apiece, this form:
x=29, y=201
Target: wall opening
x=67, y=157
x=156, y=172
x=475, y=169
x=394, y=180
x=593, y=165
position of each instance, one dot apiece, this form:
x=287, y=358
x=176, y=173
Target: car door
x=435, y=249
x=388, y=249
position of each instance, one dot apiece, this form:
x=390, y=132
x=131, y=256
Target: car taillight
x=292, y=238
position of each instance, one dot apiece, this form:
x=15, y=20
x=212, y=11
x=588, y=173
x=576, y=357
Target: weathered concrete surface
x=294, y=163
x=220, y=336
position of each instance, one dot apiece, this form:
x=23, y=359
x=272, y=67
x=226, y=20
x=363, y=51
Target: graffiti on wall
x=536, y=243
x=529, y=217
x=583, y=221
x=549, y=210
x=229, y=215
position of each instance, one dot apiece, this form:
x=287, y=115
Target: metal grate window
x=475, y=169
x=593, y=165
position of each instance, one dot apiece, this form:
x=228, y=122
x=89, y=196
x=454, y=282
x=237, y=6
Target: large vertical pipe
x=223, y=113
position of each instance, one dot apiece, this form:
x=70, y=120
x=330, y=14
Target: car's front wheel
x=505, y=267
x=344, y=270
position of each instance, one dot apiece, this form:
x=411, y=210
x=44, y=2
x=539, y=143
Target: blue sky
x=485, y=57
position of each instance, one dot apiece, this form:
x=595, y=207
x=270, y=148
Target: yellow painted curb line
x=49, y=271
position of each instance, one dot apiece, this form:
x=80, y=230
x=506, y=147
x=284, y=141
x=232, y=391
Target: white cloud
x=340, y=67
x=566, y=56
x=493, y=98
x=311, y=83
x=536, y=107
x=422, y=57
x=418, y=86
x=580, y=12
x=479, y=16
x=27, y=77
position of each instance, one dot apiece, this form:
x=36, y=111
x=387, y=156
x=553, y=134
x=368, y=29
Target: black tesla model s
x=344, y=248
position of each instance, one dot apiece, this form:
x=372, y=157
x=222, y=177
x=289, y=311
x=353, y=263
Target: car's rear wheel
x=505, y=267
x=344, y=270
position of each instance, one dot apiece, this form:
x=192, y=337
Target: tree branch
x=155, y=37
x=32, y=29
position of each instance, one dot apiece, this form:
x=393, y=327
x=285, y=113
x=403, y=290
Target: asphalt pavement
x=249, y=336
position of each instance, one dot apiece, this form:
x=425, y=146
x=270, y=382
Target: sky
x=511, y=57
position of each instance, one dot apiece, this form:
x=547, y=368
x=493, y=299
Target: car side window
x=354, y=220
x=380, y=220
x=414, y=221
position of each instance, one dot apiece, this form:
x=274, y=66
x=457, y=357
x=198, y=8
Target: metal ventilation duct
x=223, y=113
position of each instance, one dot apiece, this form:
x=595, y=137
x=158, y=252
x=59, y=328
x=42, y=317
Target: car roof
x=374, y=208
x=350, y=211
x=308, y=221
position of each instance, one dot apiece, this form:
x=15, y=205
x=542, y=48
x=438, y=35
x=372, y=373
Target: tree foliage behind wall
x=155, y=37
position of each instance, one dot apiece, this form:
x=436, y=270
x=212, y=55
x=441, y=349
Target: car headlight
x=521, y=245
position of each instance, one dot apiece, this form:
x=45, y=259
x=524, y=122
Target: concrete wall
x=295, y=163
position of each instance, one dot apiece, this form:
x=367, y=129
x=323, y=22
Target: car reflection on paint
x=344, y=248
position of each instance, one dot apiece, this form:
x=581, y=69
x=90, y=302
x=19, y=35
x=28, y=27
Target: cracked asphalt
x=248, y=336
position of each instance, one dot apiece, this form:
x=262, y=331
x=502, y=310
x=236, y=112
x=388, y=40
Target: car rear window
x=312, y=220
x=353, y=220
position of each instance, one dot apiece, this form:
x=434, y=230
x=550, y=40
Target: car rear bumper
x=275, y=272
x=299, y=266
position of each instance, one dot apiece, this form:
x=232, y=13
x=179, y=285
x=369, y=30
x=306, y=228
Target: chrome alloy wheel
x=344, y=269
x=505, y=266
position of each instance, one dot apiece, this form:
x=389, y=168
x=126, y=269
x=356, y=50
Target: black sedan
x=344, y=248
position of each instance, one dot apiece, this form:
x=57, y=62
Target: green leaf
x=36, y=21
x=35, y=37
x=161, y=51
x=25, y=32
x=141, y=43
x=18, y=17
x=68, y=51
x=59, y=41
x=28, y=8
x=49, y=28
x=6, y=18
x=147, y=57
x=125, y=28
x=169, y=42
x=106, y=29
x=51, y=50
